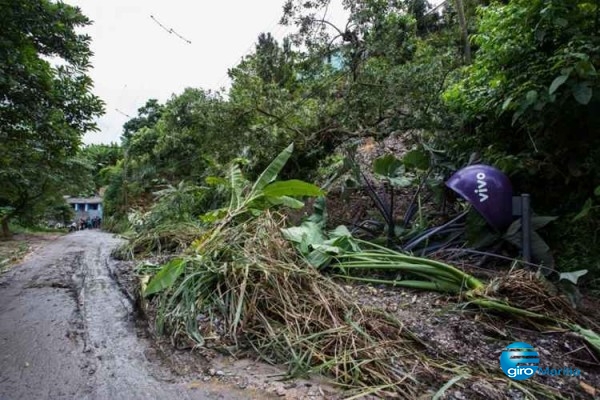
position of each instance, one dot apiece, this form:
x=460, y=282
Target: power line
x=122, y=113
x=170, y=30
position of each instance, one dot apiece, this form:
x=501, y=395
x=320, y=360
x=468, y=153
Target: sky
x=135, y=59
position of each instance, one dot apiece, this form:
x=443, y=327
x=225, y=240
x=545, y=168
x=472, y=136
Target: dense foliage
x=521, y=93
x=44, y=108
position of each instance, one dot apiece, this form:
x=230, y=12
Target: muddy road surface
x=67, y=331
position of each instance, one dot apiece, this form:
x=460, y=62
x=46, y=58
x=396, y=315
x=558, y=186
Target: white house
x=86, y=207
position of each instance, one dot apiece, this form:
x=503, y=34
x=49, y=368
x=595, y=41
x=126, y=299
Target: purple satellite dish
x=488, y=190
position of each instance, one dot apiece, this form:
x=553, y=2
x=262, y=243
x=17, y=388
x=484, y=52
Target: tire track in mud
x=67, y=331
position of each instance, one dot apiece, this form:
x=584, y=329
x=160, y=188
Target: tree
x=44, y=108
x=148, y=116
x=100, y=157
x=532, y=94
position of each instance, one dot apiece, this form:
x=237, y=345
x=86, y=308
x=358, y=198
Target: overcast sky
x=135, y=59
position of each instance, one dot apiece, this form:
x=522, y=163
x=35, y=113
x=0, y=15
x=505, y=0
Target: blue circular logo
x=519, y=361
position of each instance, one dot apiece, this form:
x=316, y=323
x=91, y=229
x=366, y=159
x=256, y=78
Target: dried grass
x=292, y=314
x=528, y=291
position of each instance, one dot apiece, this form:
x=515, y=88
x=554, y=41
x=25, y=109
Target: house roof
x=84, y=200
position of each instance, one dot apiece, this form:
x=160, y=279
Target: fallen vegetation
x=244, y=287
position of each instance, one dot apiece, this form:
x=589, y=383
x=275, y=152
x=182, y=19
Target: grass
x=16, y=229
x=11, y=251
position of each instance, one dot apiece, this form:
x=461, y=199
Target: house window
x=74, y=206
x=93, y=206
x=81, y=207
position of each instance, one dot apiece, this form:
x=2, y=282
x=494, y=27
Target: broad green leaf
x=345, y=243
x=557, y=82
x=582, y=92
x=166, y=277
x=417, y=158
x=319, y=216
x=573, y=276
x=387, y=166
x=539, y=249
x=318, y=259
x=340, y=231
x=286, y=201
x=506, y=103
x=401, y=181
x=274, y=168
x=293, y=187
x=597, y=191
x=309, y=231
x=531, y=97
x=327, y=248
x=538, y=221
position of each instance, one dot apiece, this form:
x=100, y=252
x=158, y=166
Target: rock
x=280, y=391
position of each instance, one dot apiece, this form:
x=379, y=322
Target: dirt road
x=68, y=332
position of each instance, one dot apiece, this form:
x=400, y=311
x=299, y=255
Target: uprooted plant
x=521, y=293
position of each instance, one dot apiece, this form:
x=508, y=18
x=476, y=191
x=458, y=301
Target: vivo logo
x=481, y=187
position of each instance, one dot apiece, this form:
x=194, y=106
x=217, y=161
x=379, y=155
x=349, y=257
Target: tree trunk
x=6, y=235
x=460, y=11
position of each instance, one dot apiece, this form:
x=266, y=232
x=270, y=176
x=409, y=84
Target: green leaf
x=539, y=248
x=308, y=231
x=401, y=181
x=513, y=230
x=293, y=187
x=387, y=166
x=215, y=181
x=213, y=215
x=531, y=97
x=538, y=221
x=166, y=277
x=506, y=103
x=417, y=159
x=319, y=215
x=590, y=336
x=573, y=276
x=582, y=92
x=286, y=201
x=597, y=191
x=340, y=231
x=318, y=259
x=557, y=82
x=274, y=168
